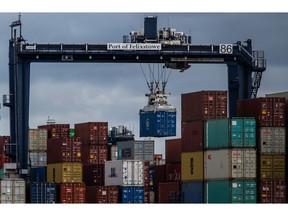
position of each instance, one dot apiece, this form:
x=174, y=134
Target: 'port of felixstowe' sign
x=133, y=46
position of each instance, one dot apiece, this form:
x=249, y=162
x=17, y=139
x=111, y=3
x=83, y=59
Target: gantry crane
x=241, y=60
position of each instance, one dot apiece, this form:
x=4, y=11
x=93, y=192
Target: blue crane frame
x=240, y=65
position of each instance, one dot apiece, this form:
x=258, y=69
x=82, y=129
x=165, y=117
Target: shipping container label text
x=133, y=46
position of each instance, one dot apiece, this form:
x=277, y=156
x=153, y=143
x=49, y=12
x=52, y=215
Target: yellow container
x=272, y=167
x=192, y=166
x=64, y=172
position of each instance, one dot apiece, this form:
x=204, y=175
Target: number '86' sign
x=226, y=48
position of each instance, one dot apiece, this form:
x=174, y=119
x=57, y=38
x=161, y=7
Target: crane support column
x=239, y=85
x=23, y=83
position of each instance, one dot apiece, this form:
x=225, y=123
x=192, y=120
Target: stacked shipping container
x=270, y=114
x=94, y=153
x=4, y=140
x=230, y=161
x=197, y=107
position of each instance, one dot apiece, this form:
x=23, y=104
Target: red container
x=92, y=133
x=157, y=158
x=64, y=150
x=192, y=136
x=94, y=154
x=72, y=192
x=3, y=159
x=272, y=192
x=146, y=174
x=268, y=112
x=173, y=172
x=93, y=175
x=204, y=105
x=56, y=130
x=173, y=150
x=165, y=190
x=4, y=140
x=102, y=194
x=146, y=195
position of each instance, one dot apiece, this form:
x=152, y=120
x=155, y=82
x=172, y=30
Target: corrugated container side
x=230, y=163
x=173, y=150
x=4, y=140
x=92, y=133
x=146, y=195
x=37, y=159
x=38, y=174
x=93, y=174
x=124, y=173
x=56, y=130
x=132, y=194
x=268, y=112
x=193, y=191
x=64, y=172
x=42, y=192
x=173, y=172
x=272, y=140
x=136, y=150
x=4, y=159
x=165, y=190
x=64, y=150
x=37, y=140
x=272, y=192
x=1, y=173
x=192, y=136
x=72, y=192
x=192, y=166
x=157, y=124
x=216, y=134
x=102, y=194
x=94, y=154
x=272, y=167
x=13, y=190
x=204, y=105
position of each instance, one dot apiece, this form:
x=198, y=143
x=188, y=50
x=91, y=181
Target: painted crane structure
x=245, y=68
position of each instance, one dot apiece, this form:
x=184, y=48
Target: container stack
x=196, y=108
x=270, y=114
x=94, y=153
x=230, y=161
x=37, y=154
x=168, y=191
x=64, y=167
x=129, y=176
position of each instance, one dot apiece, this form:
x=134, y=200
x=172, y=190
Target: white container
x=272, y=140
x=124, y=173
x=37, y=159
x=37, y=140
x=12, y=190
x=237, y=163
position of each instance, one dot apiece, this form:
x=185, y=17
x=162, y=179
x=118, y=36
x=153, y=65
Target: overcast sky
x=75, y=93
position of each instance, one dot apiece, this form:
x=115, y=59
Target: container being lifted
x=158, y=118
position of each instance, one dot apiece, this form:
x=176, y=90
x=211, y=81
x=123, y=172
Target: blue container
x=157, y=124
x=132, y=194
x=193, y=192
x=38, y=174
x=43, y=192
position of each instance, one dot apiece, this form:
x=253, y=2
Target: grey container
x=124, y=173
x=235, y=163
x=272, y=140
x=136, y=150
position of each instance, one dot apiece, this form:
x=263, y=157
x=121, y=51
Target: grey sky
x=73, y=93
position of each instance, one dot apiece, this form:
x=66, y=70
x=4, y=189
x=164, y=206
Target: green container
x=1, y=173
x=72, y=133
x=226, y=133
x=235, y=191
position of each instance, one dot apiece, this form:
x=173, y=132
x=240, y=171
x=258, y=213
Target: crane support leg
x=239, y=85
